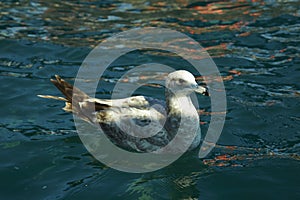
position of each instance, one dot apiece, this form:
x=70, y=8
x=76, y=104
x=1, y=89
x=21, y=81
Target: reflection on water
x=255, y=44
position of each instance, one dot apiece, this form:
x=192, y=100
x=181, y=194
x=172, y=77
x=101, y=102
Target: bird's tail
x=73, y=95
x=77, y=101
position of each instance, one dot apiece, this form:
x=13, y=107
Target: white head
x=182, y=82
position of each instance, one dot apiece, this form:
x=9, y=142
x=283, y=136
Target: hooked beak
x=200, y=89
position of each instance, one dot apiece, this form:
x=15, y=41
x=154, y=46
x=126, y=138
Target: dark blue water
x=255, y=45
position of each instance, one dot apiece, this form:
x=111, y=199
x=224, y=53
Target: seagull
x=140, y=123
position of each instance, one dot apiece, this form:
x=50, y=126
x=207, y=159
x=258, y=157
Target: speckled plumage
x=127, y=122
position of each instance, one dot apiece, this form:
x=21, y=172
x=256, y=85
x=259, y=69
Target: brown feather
x=76, y=100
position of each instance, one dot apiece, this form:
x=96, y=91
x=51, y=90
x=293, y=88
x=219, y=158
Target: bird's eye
x=181, y=81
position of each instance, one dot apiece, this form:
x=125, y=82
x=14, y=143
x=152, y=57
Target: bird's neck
x=178, y=103
x=181, y=116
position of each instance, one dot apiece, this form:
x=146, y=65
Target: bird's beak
x=201, y=90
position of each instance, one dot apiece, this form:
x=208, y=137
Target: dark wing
x=100, y=110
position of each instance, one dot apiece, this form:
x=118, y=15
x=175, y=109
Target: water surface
x=255, y=45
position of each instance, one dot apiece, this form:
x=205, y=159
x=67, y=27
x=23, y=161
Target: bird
x=141, y=123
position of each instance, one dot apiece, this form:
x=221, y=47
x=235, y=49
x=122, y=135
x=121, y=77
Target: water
x=255, y=45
